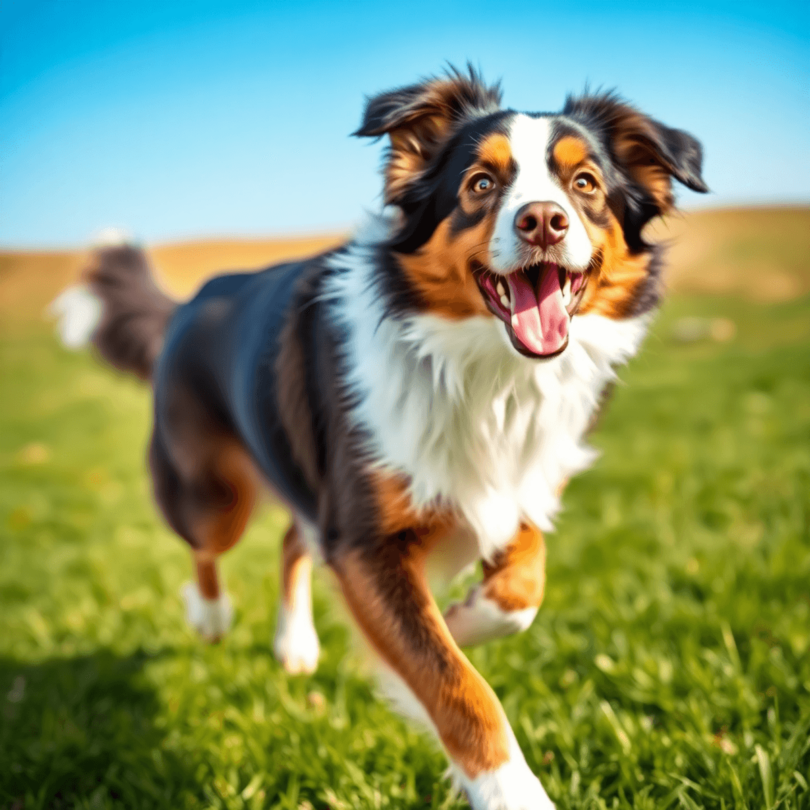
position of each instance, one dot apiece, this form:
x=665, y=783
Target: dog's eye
x=482, y=184
x=585, y=182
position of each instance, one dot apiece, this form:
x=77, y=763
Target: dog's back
x=221, y=349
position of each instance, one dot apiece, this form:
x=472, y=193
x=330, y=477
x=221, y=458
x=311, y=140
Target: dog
x=423, y=391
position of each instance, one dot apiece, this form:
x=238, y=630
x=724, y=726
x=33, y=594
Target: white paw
x=296, y=643
x=491, y=792
x=211, y=618
x=479, y=619
x=511, y=787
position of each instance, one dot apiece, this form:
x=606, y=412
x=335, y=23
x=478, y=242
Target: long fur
x=452, y=406
x=118, y=308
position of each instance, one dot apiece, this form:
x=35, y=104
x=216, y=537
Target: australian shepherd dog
x=422, y=391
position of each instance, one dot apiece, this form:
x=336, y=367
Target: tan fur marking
x=396, y=512
x=570, y=151
x=657, y=180
x=612, y=287
x=516, y=578
x=394, y=506
x=404, y=625
x=222, y=527
x=440, y=270
x=207, y=575
x=496, y=151
x=611, y=291
x=295, y=564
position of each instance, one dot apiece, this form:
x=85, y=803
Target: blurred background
x=670, y=664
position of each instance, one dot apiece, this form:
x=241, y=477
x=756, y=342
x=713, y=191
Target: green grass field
x=668, y=667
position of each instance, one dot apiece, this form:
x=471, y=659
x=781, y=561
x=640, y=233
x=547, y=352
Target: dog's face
x=528, y=218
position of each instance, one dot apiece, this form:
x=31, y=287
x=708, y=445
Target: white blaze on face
x=534, y=182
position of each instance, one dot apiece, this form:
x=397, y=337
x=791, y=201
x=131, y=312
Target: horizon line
x=295, y=235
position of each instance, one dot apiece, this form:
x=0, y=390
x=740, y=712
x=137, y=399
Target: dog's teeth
x=505, y=301
x=566, y=293
x=514, y=321
x=501, y=290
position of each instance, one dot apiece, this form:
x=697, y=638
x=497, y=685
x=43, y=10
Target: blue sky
x=185, y=119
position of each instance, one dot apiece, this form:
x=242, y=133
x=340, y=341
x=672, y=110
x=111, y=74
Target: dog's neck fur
x=475, y=427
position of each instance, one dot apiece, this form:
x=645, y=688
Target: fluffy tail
x=118, y=308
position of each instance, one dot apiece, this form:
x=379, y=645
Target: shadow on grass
x=84, y=732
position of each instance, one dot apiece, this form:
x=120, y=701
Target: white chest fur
x=476, y=427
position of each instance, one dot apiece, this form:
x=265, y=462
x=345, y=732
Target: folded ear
x=420, y=119
x=649, y=152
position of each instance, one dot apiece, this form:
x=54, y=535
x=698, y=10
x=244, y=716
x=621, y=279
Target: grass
x=668, y=668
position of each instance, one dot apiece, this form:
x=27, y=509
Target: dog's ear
x=649, y=152
x=420, y=119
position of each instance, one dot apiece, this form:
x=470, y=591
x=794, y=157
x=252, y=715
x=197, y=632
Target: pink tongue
x=541, y=321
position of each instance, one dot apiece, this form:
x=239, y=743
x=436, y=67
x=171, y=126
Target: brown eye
x=482, y=184
x=585, y=183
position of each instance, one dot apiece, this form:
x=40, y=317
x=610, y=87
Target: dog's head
x=530, y=218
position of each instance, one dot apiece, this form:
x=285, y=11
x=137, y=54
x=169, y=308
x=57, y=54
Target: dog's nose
x=541, y=223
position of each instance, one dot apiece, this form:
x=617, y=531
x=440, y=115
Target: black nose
x=541, y=223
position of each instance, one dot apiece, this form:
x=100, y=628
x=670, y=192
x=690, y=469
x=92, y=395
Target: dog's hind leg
x=296, y=641
x=207, y=499
x=208, y=607
x=508, y=598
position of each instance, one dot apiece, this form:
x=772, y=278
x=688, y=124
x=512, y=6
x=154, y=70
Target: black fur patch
x=651, y=290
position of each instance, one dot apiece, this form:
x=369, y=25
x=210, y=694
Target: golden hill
x=759, y=253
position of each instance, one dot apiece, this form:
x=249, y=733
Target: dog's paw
x=479, y=619
x=511, y=787
x=296, y=644
x=211, y=618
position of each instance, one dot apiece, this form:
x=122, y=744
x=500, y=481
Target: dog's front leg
x=507, y=599
x=385, y=587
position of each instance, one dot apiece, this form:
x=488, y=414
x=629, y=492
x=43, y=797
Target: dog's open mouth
x=536, y=303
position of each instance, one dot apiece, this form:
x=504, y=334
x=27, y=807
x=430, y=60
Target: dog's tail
x=117, y=307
